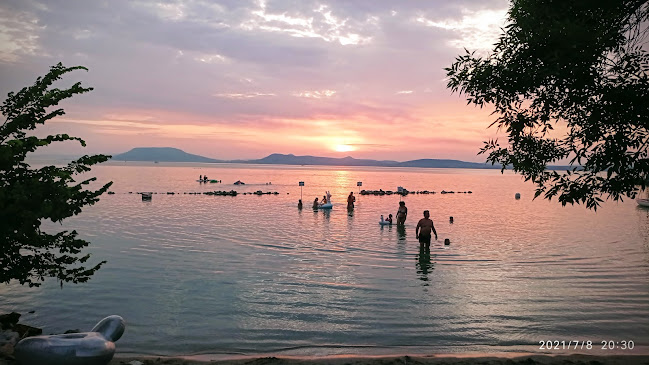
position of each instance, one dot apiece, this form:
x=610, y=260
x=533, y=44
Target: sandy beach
x=455, y=359
x=451, y=359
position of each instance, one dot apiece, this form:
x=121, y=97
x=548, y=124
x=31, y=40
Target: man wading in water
x=426, y=225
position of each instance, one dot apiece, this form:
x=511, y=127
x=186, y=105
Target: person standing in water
x=350, y=201
x=402, y=213
x=299, y=204
x=315, y=203
x=424, y=227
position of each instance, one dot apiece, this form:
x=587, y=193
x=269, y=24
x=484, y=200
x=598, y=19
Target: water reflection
x=401, y=232
x=424, y=265
x=643, y=214
x=296, y=281
x=327, y=214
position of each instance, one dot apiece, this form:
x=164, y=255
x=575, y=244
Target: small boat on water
x=643, y=202
x=239, y=182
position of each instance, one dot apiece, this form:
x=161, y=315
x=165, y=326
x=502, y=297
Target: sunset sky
x=242, y=79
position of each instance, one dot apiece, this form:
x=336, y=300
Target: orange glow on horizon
x=343, y=148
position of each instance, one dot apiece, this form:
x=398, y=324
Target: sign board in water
x=400, y=189
x=301, y=183
x=360, y=183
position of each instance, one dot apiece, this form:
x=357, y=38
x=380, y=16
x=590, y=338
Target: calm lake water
x=253, y=275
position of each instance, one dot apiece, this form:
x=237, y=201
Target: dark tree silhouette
x=568, y=81
x=28, y=196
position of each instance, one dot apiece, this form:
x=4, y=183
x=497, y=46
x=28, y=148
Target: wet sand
x=451, y=359
x=454, y=359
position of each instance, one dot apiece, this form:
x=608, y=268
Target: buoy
x=450, y=219
x=518, y=195
x=447, y=242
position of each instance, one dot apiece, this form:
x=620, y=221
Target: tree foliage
x=29, y=196
x=568, y=81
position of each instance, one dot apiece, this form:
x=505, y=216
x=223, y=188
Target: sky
x=239, y=79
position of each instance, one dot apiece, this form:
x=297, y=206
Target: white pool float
x=329, y=204
x=96, y=347
x=383, y=222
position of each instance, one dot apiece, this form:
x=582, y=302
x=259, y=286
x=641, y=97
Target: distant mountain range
x=169, y=154
x=291, y=159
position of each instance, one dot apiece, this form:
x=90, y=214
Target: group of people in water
x=326, y=201
x=425, y=227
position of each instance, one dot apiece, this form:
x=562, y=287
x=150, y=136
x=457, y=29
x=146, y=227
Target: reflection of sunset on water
x=275, y=278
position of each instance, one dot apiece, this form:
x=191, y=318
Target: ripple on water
x=252, y=274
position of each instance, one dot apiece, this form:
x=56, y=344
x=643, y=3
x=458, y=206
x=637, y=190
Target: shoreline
x=433, y=359
x=502, y=358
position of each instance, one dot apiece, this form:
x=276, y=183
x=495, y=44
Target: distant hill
x=427, y=162
x=291, y=159
x=169, y=154
x=163, y=154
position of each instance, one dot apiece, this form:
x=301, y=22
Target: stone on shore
x=27, y=331
x=8, y=340
x=7, y=321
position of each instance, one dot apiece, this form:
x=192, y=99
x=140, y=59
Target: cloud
x=316, y=94
x=214, y=58
x=285, y=69
x=243, y=95
x=19, y=35
x=318, y=22
x=475, y=30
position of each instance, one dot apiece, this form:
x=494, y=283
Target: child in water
x=389, y=219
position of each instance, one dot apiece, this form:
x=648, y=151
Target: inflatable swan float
x=96, y=347
x=329, y=204
x=383, y=222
